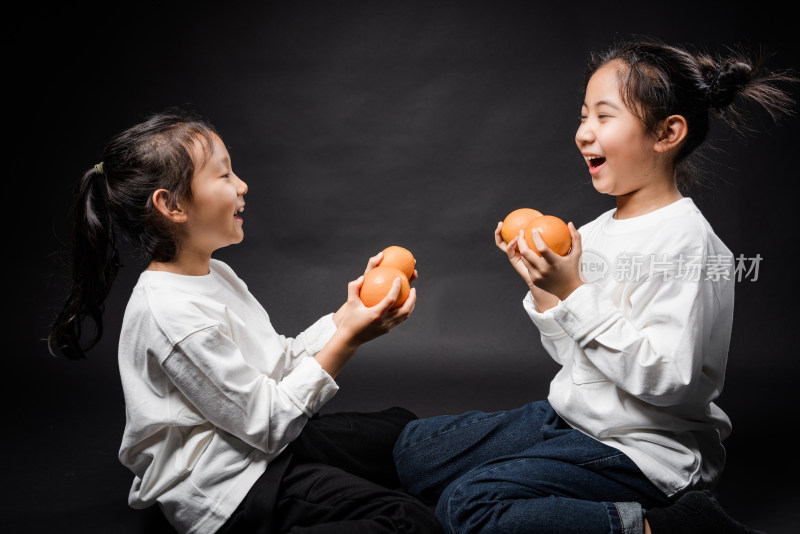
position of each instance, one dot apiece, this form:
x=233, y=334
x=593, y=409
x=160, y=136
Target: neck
x=186, y=263
x=641, y=201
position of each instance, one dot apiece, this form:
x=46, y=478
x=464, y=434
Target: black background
x=360, y=124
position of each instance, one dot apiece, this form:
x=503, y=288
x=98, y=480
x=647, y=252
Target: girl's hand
x=373, y=262
x=542, y=298
x=558, y=275
x=356, y=324
x=510, y=250
x=361, y=324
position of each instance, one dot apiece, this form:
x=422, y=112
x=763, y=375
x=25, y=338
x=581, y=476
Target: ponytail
x=95, y=263
x=116, y=195
x=739, y=75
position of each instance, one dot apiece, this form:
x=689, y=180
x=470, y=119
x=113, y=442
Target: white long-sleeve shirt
x=212, y=392
x=643, y=346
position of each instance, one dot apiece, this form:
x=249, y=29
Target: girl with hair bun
x=629, y=438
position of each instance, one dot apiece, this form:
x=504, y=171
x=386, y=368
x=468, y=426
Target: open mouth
x=238, y=214
x=595, y=162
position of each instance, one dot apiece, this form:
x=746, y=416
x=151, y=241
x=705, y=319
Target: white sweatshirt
x=643, y=346
x=212, y=392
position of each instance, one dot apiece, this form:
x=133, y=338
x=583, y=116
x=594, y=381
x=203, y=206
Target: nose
x=584, y=134
x=242, y=189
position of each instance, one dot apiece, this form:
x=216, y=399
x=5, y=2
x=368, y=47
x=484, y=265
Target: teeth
x=590, y=158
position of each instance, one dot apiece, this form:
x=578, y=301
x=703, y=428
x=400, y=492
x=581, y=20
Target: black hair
x=116, y=196
x=658, y=80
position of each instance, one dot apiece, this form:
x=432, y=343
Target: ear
x=165, y=203
x=673, y=132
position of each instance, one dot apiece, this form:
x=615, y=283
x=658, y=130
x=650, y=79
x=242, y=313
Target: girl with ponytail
x=629, y=438
x=116, y=195
x=222, y=430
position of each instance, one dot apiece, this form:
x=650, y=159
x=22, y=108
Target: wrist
x=337, y=316
x=345, y=338
x=542, y=300
x=564, y=293
x=336, y=353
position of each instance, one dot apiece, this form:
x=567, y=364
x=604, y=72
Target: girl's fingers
x=498, y=237
x=546, y=252
x=577, y=245
x=391, y=297
x=525, y=253
x=524, y=250
x=374, y=261
x=398, y=315
x=546, y=255
x=408, y=306
x=511, y=249
x=528, y=265
x=354, y=287
x=410, y=303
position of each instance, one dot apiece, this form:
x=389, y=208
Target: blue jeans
x=522, y=470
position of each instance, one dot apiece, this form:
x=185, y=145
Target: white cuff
x=585, y=311
x=309, y=386
x=544, y=321
x=318, y=334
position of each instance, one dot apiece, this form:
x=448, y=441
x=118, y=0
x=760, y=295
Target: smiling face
x=617, y=147
x=213, y=216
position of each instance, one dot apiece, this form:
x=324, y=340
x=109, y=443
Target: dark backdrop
x=360, y=124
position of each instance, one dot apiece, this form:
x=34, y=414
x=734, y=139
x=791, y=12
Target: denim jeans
x=522, y=470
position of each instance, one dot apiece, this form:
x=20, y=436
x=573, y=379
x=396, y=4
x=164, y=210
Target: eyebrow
x=224, y=162
x=603, y=102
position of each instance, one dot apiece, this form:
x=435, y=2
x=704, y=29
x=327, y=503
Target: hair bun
x=729, y=79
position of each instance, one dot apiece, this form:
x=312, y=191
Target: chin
x=602, y=188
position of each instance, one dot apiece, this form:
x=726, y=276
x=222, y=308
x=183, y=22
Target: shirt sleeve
x=311, y=340
x=553, y=335
x=209, y=369
x=656, y=351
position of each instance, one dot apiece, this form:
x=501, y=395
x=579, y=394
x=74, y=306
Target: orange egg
x=377, y=283
x=400, y=258
x=555, y=233
x=517, y=220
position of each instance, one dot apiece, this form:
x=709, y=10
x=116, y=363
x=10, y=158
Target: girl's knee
x=412, y=445
x=466, y=507
x=488, y=500
x=435, y=433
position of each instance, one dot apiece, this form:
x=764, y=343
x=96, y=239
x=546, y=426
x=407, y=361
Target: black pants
x=337, y=477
